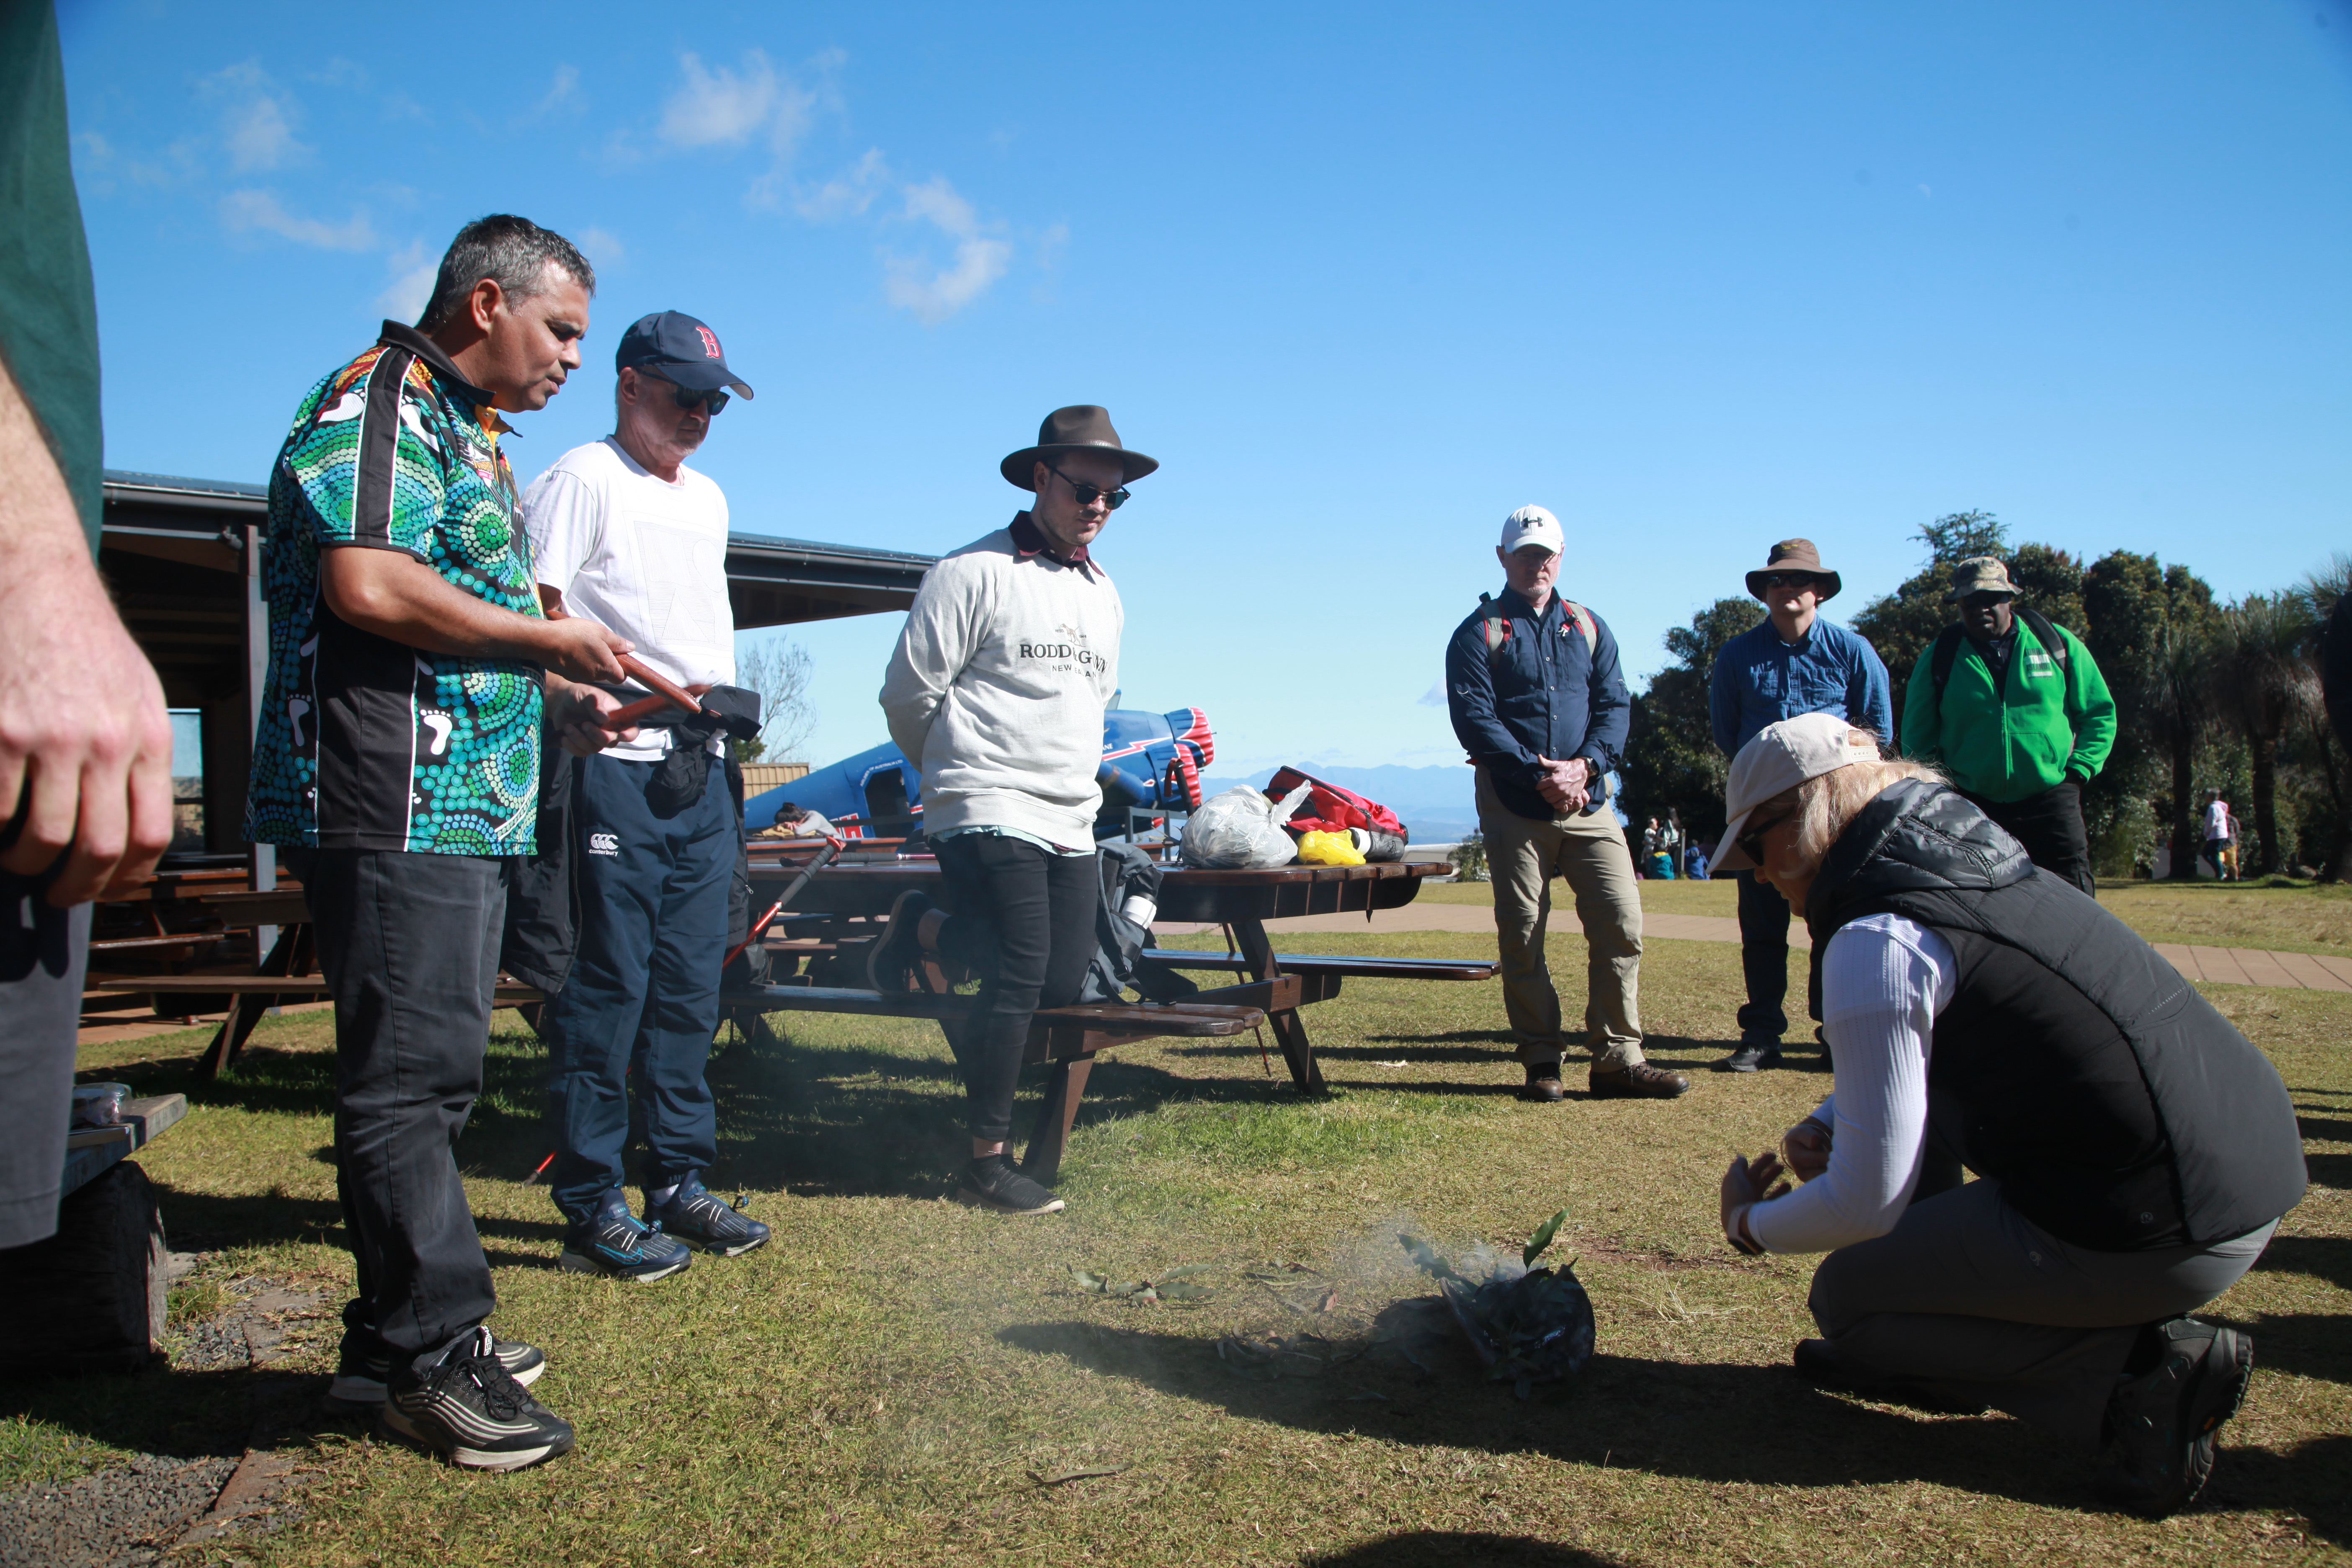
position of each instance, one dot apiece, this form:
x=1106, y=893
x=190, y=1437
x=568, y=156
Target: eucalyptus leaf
x=1541, y=1239
x=1184, y=1290
x=1087, y=1281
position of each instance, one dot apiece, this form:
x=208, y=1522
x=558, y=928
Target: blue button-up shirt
x=1540, y=694
x=1759, y=679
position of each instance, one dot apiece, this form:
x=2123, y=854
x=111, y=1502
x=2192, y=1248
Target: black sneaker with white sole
x=2161, y=1423
x=361, y=1372
x=994, y=1181
x=700, y=1217
x=614, y=1243
x=465, y=1406
x=894, y=966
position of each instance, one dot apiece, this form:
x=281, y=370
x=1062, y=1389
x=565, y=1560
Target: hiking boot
x=992, y=1181
x=1640, y=1081
x=894, y=964
x=2160, y=1423
x=1818, y=1363
x=465, y=1406
x=1543, y=1085
x=1753, y=1055
x=359, y=1373
x=700, y=1217
x=613, y=1243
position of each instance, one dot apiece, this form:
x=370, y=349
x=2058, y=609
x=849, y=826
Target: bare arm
x=85, y=743
x=399, y=597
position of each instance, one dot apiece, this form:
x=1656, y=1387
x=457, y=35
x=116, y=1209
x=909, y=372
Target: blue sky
x=1364, y=278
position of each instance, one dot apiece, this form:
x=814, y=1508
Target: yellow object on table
x=1322, y=849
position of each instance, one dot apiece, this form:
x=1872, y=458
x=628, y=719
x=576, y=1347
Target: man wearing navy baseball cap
x=624, y=532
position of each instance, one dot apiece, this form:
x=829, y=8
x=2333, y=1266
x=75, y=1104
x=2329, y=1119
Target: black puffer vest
x=2118, y=1110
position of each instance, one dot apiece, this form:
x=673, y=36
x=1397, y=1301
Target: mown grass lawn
x=889, y=1381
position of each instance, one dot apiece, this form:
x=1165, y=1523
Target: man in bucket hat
x=996, y=694
x=2015, y=711
x=1792, y=662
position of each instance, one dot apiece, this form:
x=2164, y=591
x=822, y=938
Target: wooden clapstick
x=670, y=696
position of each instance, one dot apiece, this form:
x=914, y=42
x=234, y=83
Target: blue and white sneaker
x=698, y=1216
x=465, y=1406
x=613, y=1243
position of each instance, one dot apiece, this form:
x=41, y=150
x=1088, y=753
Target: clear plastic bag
x=1241, y=828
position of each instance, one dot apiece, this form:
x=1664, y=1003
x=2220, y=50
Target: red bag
x=1328, y=809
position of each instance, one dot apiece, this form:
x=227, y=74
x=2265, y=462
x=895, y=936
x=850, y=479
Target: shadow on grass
x=1669, y=1418
x=2328, y=1257
x=1411, y=1548
x=176, y=1415
x=2330, y=1170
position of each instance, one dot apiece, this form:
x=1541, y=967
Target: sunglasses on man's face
x=1088, y=494
x=1789, y=579
x=687, y=399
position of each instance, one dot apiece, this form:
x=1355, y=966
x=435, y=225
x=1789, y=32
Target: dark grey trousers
x=42, y=952
x=1969, y=1294
x=409, y=944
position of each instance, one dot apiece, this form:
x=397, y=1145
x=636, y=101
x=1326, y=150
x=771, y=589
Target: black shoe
x=466, y=1406
x=700, y=1217
x=894, y=964
x=1818, y=1363
x=613, y=1243
x=359, y=1373
x=1543, y=1085
x=2161, y=1423
x=1640, y=1081
x=1753, y=1055
x=994, y=1181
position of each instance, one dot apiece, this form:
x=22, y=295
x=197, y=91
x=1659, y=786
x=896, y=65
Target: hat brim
x=1728, y=855
x=1016, y=467
x=695, y=375
x=1822, y=596
x=1956, y=595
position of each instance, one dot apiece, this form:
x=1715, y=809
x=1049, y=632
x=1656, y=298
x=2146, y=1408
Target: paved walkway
x=2223, y=965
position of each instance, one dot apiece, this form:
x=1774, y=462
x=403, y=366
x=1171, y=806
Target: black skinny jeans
x=2049, y=825
x=1023, y=921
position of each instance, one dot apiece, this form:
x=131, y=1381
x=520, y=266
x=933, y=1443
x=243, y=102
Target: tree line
x=2208, y=696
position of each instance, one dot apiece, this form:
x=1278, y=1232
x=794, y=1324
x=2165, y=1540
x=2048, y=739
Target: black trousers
x=42, y=952
x=409, y=944
x=1763, y=957
x=2049, y=825
x=1023, y=921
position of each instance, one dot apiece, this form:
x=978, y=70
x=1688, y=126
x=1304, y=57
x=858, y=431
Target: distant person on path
x=2220, y=836
x=2135, y=1150
x=624, y=533
x=2014, y=710
x=1537, y=701
x=1791, y=662
x=996, y=694
x=397, y=766
x=85, y=743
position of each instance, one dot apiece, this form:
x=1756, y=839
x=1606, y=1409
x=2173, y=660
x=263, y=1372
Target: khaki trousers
x=1589, y=852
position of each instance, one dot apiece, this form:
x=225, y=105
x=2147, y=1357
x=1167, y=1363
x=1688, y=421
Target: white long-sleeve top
x=1884, y=981
x=997, y=689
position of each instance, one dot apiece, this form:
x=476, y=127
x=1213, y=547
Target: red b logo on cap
x=709, y=343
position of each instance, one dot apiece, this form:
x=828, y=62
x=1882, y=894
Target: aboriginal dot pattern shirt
x=365, y=743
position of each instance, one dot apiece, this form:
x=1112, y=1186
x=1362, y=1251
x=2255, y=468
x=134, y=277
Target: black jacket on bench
x=2118, y=1110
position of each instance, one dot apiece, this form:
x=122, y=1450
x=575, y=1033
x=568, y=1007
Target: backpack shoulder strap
x=1947, y=648
x=2046, y=634
x=1584, y=624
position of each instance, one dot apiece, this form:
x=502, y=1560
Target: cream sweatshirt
x=997, y=689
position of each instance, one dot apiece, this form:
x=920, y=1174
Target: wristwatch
x=1736, y=1233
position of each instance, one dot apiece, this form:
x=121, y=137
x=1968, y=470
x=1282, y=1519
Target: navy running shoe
x=613, y=1243
x=364, y=1366
x=696, y=1215
x=465, y=1406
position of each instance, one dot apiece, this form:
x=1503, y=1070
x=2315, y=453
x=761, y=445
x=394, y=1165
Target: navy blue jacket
x=1541, y=694
x=1759, y=679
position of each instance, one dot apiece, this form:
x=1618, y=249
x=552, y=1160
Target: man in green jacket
x=2015, y=711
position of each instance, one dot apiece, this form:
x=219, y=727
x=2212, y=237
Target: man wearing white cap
x=1533, y=686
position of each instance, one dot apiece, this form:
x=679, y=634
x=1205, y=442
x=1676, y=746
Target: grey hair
x=513, y=253
x=1826, y=805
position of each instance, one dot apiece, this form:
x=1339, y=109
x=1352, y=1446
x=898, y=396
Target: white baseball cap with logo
x=1780, y=758
x=1532, y=525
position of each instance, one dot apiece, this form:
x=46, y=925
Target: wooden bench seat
x=1190, y=1020
x=1328, y=963
x=306, y=987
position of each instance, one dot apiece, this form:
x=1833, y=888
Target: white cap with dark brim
x=1780, y=758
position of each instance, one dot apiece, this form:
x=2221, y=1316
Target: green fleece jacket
x=2047, y=726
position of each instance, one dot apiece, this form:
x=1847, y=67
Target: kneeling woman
x=2136, y=1151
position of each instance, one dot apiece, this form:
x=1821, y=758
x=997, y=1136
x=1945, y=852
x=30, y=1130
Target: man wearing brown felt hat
x=1792, y=662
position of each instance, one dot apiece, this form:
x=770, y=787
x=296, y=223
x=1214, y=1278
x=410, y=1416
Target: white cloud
x=602, y=246
x=719, y=107
x=411, y=288
x=244, y=211
x=563, y=92
x=93, y=146
x=847, y=193
x=257, y=122
x=1432, y=697
x=934, y=293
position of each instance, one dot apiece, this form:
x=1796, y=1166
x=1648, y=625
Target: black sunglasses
x=1790, y=580
x=687, y=399
x=1086, y=494
x=1751, y=843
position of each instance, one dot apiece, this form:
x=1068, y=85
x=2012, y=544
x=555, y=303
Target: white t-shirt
x=641, y=556
x=1884, y=980
x=2216, y=821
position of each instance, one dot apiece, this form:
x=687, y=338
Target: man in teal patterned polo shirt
x=397, y=766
